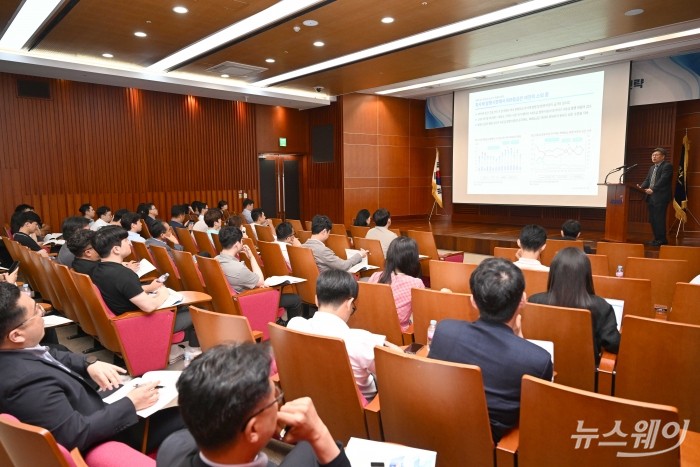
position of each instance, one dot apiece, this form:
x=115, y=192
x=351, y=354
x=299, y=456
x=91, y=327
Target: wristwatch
x=89, y=360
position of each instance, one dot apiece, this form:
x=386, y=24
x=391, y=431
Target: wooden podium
x=617, y=209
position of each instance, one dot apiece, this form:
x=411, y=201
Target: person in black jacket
x=657, y=186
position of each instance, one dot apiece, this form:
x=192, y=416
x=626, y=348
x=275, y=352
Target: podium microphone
x=616, y=169
x=627, y=170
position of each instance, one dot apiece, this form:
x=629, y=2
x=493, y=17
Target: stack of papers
x=54, y=239
x=167, y=395
x=145, y=267
x=51, y=321
x=173, y=298
x=282, y=280
x=365, y=452
x=362, y=265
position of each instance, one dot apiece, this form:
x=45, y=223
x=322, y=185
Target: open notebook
x=362, y=265
x=618, y=306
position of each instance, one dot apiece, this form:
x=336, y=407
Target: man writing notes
x=657, y=186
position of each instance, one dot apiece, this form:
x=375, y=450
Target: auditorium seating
x=376, y=312
x=217, y=328
x=553, y=246
x=453, y=276
x=686, y=304
x=430, y=304
x=618, y=253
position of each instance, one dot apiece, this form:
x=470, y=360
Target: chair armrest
x=257, y=335
x=46, y=306
x=606, y=373
x=373, y=420
x=77, y=458
x=507, y=449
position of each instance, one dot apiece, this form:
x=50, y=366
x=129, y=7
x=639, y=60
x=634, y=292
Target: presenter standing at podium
x=657, y=186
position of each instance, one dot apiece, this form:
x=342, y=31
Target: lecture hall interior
x=331, y=106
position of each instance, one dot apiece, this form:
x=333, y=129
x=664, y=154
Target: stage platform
x=482, y=238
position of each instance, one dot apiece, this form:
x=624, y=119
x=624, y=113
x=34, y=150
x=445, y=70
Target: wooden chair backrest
x=658, y=363
x=52, y=287
x=265, y=233
x=636, y=293
x=505, y=253
x=359, y=231
x=553, y=418
x=304, y=265
x=204, y=243
x=405, y=379
x=164, y=263
x=254, y=248
x=189, y=274
x=303, y=235
x=663, y=274
x=338, y=243
x=217, y=242
x=430, y=304
x=250, y=232
x=296, y=224
x=271, y=253
x=599, y=264
x=36, y=273
x=686, y=301
x=145, y=231
x=11, y=247
x=140, y=251
x=217, y=286
x=105, y=332
x=571, y=330
x=535, y=281
x=449, y=275
x=553, y=246
x=688, y=253
x=275, y=222
x=376, y=254
x=338, y=229
x=426, y=246
x=307, y=224
x=329, y=381
x=618, y=253
x=83, y=314
x=216, y=328
x=186, y=240
x=376, y=312
x=30, y=445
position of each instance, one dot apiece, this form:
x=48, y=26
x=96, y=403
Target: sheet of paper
x=362, y=452
x=167, y=395
x=277, y=280
x=546, y=345
x=173, y=298
x=618, y=307
x=51, y=321
x=145, y=267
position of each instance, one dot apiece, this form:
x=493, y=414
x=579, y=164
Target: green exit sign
x=283, y=142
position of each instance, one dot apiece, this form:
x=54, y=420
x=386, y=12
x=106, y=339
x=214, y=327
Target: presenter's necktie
x=653, y=177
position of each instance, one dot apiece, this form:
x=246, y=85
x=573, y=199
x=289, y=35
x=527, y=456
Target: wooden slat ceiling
x=94, y=27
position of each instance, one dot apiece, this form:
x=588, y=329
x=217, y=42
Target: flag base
x=682, y=224
x=435, y=209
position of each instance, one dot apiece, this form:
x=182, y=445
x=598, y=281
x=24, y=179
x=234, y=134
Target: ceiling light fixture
x=27, y=21
x=242, y=28
x=310, y=23
x=106, y=55
x=448, y=30
x=270, y=60
x=634, y=12
x=319, y=44
x=180, y=9
x=387, y=20
x=580, y=55
x=225, y=76
x=140, y=34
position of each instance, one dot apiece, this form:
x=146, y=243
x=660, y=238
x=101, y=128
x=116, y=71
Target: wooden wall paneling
x=117, y=146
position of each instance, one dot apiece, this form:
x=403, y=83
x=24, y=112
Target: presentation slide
x=547, y=141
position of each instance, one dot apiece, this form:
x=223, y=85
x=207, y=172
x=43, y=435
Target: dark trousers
x=292, y=303
x=183, y=322
x=657, y=219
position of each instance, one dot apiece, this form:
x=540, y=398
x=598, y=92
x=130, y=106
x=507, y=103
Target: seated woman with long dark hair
x=570, y=285
x=362, y=218
x=402, y=272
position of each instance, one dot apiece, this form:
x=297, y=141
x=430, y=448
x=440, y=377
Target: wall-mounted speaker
x=32, y=88
x=322, y=143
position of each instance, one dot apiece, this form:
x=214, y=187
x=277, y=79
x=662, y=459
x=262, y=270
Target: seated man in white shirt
x=104, y=218
x=214, y=219
x=336, y=292
x=382, y=220
x=259, y=218
x=201, y=208
x=247, y=209
x=285, y=236
x=131, y=222
x=532, y=242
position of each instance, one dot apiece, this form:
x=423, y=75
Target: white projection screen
x=545, y=141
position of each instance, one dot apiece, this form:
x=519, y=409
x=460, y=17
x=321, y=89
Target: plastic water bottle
x=190, y=354
x=26, y=290
x=620, y=272
x=431, y=332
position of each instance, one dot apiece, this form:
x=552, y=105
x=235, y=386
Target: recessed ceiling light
x=270, y=60
x=634, y=12
x=108, y=55
x=310, y=23
x=225, y=76
x=319, y=44
x=180, y=9
x=140, y=34
x=387, y=20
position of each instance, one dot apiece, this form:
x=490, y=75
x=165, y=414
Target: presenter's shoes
x=658, y=243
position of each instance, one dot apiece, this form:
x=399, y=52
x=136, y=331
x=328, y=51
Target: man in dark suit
x=232, y=409
x=495, y=342
x=56, y=390
x=657, y=186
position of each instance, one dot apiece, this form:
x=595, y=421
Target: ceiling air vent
x=234, y=69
